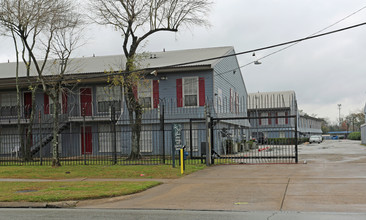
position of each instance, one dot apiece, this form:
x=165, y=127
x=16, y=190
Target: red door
x=27, y=104
x=86, y=102
x=86, y=148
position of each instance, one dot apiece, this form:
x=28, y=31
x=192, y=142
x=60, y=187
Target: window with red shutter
x=269, y=118
x=260, y=120
x=64, y=102
x=156, y=93
x=179, y=93
x=201, y=88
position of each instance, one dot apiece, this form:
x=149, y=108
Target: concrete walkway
x=333, y=179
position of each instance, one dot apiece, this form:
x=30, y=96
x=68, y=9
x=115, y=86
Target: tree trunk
x=56, y=113
x=29, y=138
x=135, y=118
x=136, y=133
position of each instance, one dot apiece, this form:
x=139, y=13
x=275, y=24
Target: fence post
x=208, y=139
x=84, y=148
x=211, y=125
x=191, y=140
x=162, y=124
x=114, y=144
x=40, y=137
x=296, y=145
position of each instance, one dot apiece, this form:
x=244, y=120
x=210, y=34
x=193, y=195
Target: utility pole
x=339, y=114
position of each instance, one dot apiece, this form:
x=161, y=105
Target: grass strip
x=96, y=171
x=62, y=191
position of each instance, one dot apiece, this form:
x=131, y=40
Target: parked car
x=315, y=139
x=259, y=136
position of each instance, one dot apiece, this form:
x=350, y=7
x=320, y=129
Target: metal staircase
x=48, y=137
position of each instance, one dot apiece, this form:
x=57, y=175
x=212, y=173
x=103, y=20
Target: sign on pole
x=177, y=140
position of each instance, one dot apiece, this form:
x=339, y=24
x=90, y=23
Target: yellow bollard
x=181, y=162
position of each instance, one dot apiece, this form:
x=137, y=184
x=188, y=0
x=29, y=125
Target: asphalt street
x=83, y=214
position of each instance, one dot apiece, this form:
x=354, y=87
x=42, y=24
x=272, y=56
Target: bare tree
x=44, y=28
x=137, y=20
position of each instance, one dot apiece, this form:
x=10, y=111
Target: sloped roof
x=99, y=64
x=270, y=100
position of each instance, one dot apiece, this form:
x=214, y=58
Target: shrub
x=354, y=136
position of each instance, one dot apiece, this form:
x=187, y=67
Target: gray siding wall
x=227, y=75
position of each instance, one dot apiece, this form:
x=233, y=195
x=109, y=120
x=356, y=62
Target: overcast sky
x=323, y=72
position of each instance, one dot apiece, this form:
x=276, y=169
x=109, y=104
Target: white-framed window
x=146, y=140
x=105, y=139
x=108, y=96
x=145, y=93
x=187, y=137
x=281, y=121
x=190, y=91
x=264, y=121
x=8, y=103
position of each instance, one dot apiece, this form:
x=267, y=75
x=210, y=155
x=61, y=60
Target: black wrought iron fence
x=102, y=135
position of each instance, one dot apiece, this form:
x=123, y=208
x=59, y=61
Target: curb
x=63, y=204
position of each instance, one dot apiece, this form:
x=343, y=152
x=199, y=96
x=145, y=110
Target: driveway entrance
x=332, y=179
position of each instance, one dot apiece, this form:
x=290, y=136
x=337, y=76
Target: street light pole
x=339, y=115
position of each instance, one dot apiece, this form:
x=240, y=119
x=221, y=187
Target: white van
x=315, y=139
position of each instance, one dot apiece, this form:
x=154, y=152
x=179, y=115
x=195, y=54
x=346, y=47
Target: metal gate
x=261, y=138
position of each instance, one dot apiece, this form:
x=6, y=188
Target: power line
x=244, y=52
x=103, y=75
x=291, y=45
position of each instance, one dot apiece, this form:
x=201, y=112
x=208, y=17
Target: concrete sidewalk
x=301, y=187
x=332, y=180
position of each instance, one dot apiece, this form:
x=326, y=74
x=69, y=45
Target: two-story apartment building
x=309, y=125
x=85, y=122
x=271, y=113
x=264, y=105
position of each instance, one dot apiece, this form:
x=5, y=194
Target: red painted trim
x=27, y=104
x=286, y=114
x=269, y=119
x=88, y=149
x=86, y=101
x=276, y=118
x=260, y=120
x=201, y=91
x=179, y=93
x=64, y=102
x=156, y=93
